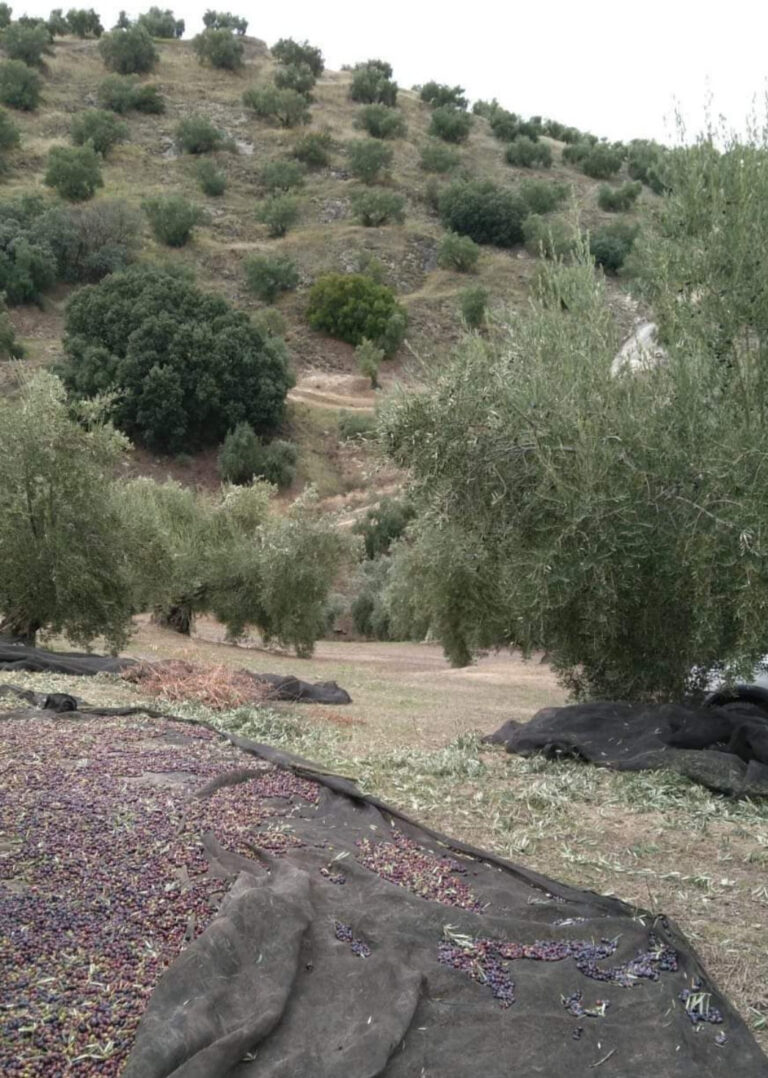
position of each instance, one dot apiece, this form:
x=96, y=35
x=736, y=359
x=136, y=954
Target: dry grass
x=217, y=687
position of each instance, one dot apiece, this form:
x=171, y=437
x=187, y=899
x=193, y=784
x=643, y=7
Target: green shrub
x=289, y=52
x=314, y=149
x=543, y=196
x=102, y=129
x=19, y=86
x=281, y=176
x=352, y=307
x=438, y=95
x=243, y=457
x=27, y=43
x=372, y=84
x=369, y=608
x=474, y=305
x=525, y=153
x=369, y=359
x=6, y=13
x=196, y=134
x=171, y=218
x=610, y=245
x=279, y=213
x=602, y=161
x=485, y=212
x=377, y=207
x=360, y=426
x=368, y=158
x=296, y=77
x=74, y=172
x=450, y=124
x=381, y=121
x=383, y=525
x=225, y=20
x=10, y=347
x=504, y=125
x=269, y=321
x=645, y=162
x=486, y=109
x=161, y=24
x=550, y=237
x=458, y=253
x=286, y=107
x=128, y=51
x=212, y=180
x=123, y=93
x=219, y=48
x=27, y=261
x=268, y=275
x=84, y=23
x=575, y=152
x=88, y=242
x=435, y=157
x=9, y=132
x=618, y=199
x=57, y=24
x=184, y=367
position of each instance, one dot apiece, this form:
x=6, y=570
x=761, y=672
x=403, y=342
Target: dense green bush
x=268, y=275
x=244, y=457
x=162, y=24
x=645, y=162
x=219, y=48
x=212, y=180
x=383, y=525
x=372, y=84
x=314, y=149
x=435, y=157
x=19, y=86
x=458, y=253
x=9, y=136
x=88, y=242
x=128, y=52
x=601, y=161
x=289, y=52
x=27, y=262
x=438, y=94
x=57, y=24
x=381, y=121
x=27, y=43
x=485, y=212
x=611, y=245
x=6, y=14
x=486, y=109
x=84, y=23
x=450, y=124
x=10, y=346
x=185, y=367
x=368, y=158
x=543, y=196
x=378, y=207
x=102, y=129
x=525, y=153
x=551, y=237
x=352, y=308
x=278, y=213
x=171, y=218
x=357, y=425
x=123, y=93
x=225, y=20
x=286, y=107
x=298, y=77
x=473, y=304
x=196, y=134
x=74, y=171
x=505, y=125
x=618, y=199
x=279, y=176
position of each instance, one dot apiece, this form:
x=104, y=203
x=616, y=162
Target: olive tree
x=66, y=555
x=616, y=520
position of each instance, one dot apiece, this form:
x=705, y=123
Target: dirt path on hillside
x=403, y=694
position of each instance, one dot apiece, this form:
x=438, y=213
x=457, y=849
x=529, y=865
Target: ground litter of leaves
x=103, y=874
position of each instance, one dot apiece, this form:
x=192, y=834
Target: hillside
x=326, y=237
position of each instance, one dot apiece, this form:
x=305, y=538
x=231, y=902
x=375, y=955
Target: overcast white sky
x=616, y=68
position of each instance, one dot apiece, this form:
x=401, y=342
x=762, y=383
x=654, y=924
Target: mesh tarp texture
x=179, y=903
x=722, y=744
